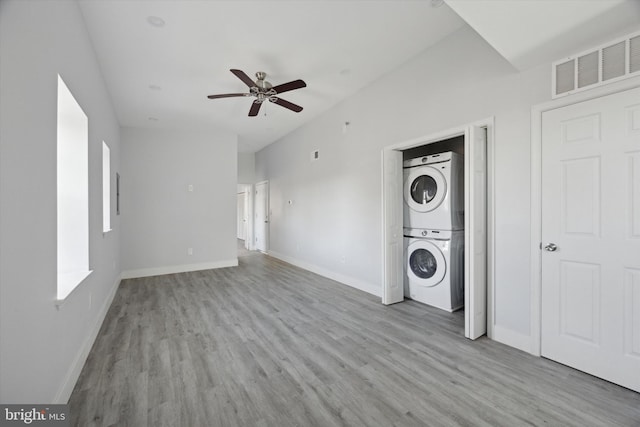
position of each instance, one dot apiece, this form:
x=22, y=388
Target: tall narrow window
x=106, y=188
x=73, y=192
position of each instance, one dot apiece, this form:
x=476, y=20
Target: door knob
x=551, y=247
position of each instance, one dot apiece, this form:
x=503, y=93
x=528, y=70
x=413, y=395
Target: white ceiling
x=336, y=47
x=159, y=77
x=533, y=32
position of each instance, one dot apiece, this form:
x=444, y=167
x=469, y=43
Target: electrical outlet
x=189, y=251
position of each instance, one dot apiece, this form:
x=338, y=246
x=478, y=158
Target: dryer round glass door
x=426, y=265
x=424, y=188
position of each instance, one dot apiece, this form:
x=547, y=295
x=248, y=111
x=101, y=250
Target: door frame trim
x=489, y=124
x=536, y=194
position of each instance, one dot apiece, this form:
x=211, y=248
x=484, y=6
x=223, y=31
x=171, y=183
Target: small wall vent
x=613, y=61
x=634, y=54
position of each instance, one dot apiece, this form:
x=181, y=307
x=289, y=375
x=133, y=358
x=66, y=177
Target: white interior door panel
x=591, y=237
x=393, y=265
x=476, y=233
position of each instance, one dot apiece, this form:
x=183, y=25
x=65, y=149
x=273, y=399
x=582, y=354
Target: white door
x=245, y=217
x=475, y=254
x=249, y=216
x=591, y=237
x=241, y=220
x=262, y=216
x=393, y=265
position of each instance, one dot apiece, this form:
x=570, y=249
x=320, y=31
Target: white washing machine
x=434, y=192
x=435, y=267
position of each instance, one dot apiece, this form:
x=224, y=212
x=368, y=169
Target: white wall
x=42, y=348
x=246, y=168
x=334, y=223
x=161, y=218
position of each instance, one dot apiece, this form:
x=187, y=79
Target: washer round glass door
x=426, y=265
x=424, y=188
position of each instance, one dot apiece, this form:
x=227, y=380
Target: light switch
x=190, y=187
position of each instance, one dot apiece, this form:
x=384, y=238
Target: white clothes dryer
x=435, y=267
x=434, y=192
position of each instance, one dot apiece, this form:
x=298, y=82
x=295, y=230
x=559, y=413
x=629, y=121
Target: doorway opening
x=475, y=142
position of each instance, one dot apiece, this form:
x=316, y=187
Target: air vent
x=607, y=63
x=634, y=54
x=565, y=76
x=588, y=69
x=613, y=61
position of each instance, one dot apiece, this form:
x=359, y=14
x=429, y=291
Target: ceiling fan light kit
x=262, y=90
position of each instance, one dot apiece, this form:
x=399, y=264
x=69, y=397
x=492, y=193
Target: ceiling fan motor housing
x=261, y=82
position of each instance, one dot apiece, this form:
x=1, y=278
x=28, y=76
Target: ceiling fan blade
x=242, y=76
x=286, y=104
x=285, y=87
x=255, y=108
x=227, y=95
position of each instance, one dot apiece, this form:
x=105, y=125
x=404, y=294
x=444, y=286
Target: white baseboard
x=338, y=277
x=513, y=339
x=172, y=269
x=64, y=393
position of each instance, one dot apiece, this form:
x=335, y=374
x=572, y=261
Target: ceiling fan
x=263, y=90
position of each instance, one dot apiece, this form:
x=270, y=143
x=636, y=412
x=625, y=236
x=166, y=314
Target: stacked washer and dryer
x=434, y=230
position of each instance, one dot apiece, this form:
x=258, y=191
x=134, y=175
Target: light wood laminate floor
x=269, y=344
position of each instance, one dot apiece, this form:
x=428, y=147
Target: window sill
x=68, y=282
